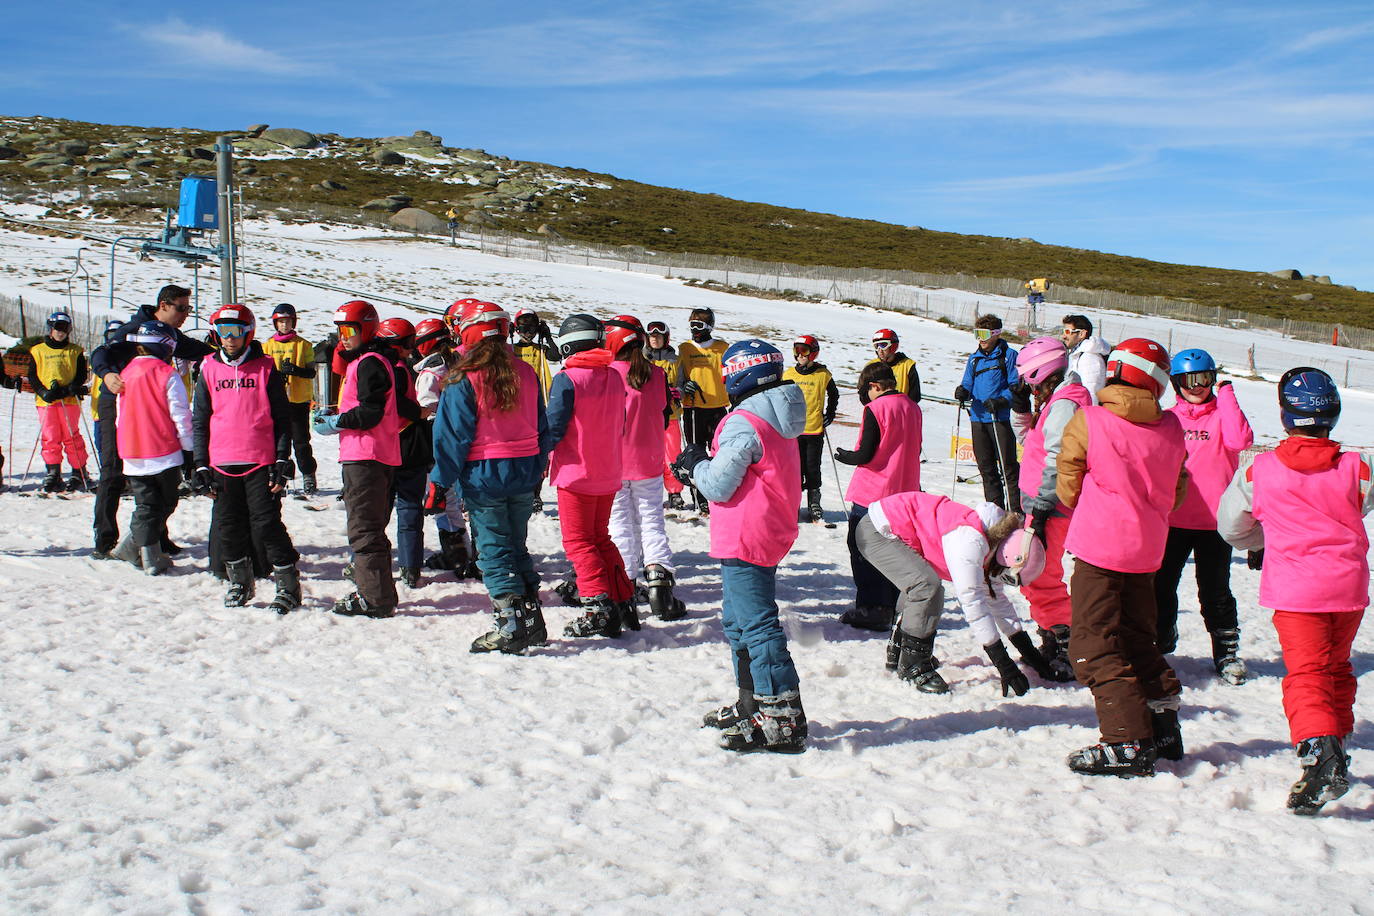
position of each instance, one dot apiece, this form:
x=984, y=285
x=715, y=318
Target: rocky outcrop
x=290, y=137
x=1289, y=274
x=417, y=220
x=388, y=157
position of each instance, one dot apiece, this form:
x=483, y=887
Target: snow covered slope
x=161, y=753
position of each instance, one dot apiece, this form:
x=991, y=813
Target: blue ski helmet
x=157, y=337
x=1308, y=399
x=1193, y=369
x=58, y=318
x=750, y=364
x=114, y=324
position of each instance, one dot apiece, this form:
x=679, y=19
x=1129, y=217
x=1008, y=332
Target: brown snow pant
x=367, y=500
x=1112, y=646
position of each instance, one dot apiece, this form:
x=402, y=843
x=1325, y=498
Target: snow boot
x=356, y=606
x=917, y=664
x=1325, y=775
x=602, y=618
x=127, y=552
x=675, y=503
x=536, y=630
x=241, y=582
x=452, y=556
x=288, y=582
x=410, y=576
x=662, y=602
x=53, y=482
x=1054, y=647
x=813, y=505
x=308, y=485
x=629, y=614
x=1124, y=759
x=78, y=482
x=509, y=635
x=153, y=560
x=1021, y=642
x=1013, y=681
x=869, y=617
x=778, y=725
x=1226, y=656
x=1168, y=734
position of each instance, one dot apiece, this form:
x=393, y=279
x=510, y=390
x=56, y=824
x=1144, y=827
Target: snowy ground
x=160, y=753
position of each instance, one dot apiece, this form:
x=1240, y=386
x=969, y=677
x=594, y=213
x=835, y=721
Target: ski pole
x=13, y=401
x=1001, y=463
x=95, y=446
x=958, y=427
x=835, y=469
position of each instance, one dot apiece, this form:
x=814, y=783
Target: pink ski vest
x=1216, y=433
x=512, y=433
x=1033, y=449
x=642, y=453
x=587, y=459
x=1121, y=521
x=1315, y=546
x=144, y=427
x=241, y=429
x=896, y=468
x=758, y=524
x=382, y=442
x=921, y=520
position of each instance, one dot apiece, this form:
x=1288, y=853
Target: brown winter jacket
x=1135, y=405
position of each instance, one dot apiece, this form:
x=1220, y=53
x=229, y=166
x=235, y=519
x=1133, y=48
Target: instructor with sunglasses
x=989, y=377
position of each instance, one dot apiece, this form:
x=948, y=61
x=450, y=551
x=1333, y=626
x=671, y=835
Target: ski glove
x=1255, y=559
x=690, y=389
x=962, y=394
x=281, y=472
x=692, y=455
x=203, y=481
x=436, y=499
x=996, y=404
x=1021, y=398
x=325, y=424
x=1039, y=518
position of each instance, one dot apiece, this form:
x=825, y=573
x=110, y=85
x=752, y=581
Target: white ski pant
x=637, y=525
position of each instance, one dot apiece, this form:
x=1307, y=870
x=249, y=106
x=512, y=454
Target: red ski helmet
x=454, y=313
x=428, y=334
x=235, y=314
x=1140, y=363
x=809, y=342
x=623, y=330
x=399, y=330
x=481, y=320
x=885, y=339
x=360, y=315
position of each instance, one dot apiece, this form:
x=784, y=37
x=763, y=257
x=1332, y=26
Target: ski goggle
x=231, y=329
x=1206, y=378
x=63, y=326
x=697, y=325
x=884, y=344
x=348, y=330
x=987, y=333
x=657, y=327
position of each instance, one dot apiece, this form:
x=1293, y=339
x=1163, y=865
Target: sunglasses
x=231, y=329
x=987, y=333
x=184, y=309
x=1203, y=379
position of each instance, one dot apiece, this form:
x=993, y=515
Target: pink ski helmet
x=1021, y=556
x=1040, y=358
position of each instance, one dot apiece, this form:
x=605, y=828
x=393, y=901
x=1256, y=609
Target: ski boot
x=308, y=485
x=1054, y=647
x=602, y=618
x=869, y=617
x=241, y=582
x=1226, y=656
x=356, y=606
x=629, y=614
x=452, y=556
x=1013, y=681
x=536, y=630
x=1021, y=642
x=78, y=482
x=410, y=576
x=509, y=636
x=675, y=503
x=703, y=506
x=127, y=552
x=537, y=503
x=813, y=506
x=567, y=590
x=1168, y=733
x=662, y=602
x=153, y=560
x=348, y=570
x=778, y=726
x=169, y=547
x=53, y=482
x=288, y=582
x=1324, y=775
x=894, y=647
x=729, y=716
x=917, y=664
x=1124, y=759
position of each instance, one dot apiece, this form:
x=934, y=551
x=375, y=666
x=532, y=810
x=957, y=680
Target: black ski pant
x=699, y=428
x=248, y=511
x=995, y=469
x=367, y=500
x=155, y=499
x=1212, y=564
x=871, y=587
x=111, y=486
x=810, y=447
x=300, y=437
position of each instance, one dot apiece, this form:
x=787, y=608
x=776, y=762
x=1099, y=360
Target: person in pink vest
x=1299, y=509
x=1043, y=364
x=491, y=442
x=243, y=438
x=637, y=525
x=1121, y=472
x=753, y=482
x=153, y=432
x=372, y=403
x=919, y=541
x=587, y=429
x=1216, y=432
x=887, y=460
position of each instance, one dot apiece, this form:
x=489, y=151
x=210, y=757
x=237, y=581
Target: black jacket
x=373, y=383
x=118, y=352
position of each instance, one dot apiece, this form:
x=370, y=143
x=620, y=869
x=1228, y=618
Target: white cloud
x=213, y=49
x=1111, y=171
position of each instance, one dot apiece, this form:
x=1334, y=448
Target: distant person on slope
x=661, y=353
x=702, y=384
x=1087, y=354
x=886, y=347
x=822, y=400
x=989, y=376
x=295, y=359
x=754, y=479
x=57, y=375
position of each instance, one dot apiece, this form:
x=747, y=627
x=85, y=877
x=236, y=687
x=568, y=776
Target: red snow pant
x=1319, y=689
x=1048, y=596
x=672, y=447
x=61, y=429
x=586, y=523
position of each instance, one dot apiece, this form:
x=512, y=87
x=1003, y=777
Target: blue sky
x=1234, y=134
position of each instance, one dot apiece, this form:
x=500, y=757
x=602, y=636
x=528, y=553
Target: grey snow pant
x=920, y=592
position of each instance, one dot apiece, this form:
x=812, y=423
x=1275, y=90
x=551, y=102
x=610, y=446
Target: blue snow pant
x=871, y=588
x=500, y=524
x=408, y=490
x=749, y=615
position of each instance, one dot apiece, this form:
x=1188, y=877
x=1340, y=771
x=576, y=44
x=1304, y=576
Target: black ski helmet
x=580, y=332
x=283, y=310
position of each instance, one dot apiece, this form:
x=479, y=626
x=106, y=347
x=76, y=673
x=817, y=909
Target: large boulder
x=480, y=218
x=388, y=157
x=1304, y=297
x=1289, y=274
x=390, y=206
x=9, y=152
x=329, y=185
x=1323, y=279
x=290, y=137
x=519, y=190
x=417, y=220
x=73, y=147
x=256, y=129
